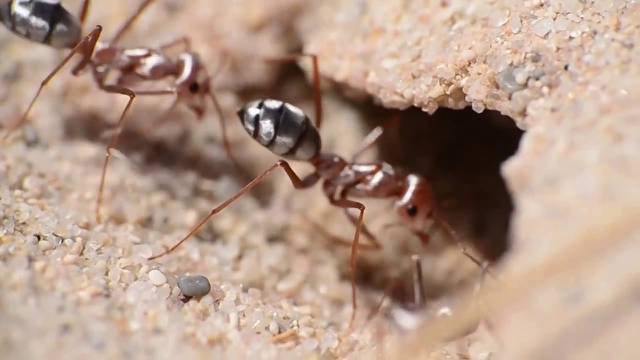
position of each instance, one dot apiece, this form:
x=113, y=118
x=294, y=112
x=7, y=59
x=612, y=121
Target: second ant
x=189, y=81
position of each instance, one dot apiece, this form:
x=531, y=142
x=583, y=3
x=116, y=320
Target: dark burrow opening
x=460, y=152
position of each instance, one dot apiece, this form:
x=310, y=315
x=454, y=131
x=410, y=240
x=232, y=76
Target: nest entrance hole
x=460, y=152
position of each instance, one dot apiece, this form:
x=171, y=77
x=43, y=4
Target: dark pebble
x=194, y=285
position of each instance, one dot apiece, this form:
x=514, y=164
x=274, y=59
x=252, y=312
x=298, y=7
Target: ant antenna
x=483, y=265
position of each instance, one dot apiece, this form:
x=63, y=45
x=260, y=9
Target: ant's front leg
x=85, y=47
x=116, y=89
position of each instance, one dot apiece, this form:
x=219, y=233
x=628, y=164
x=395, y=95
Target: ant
x=285, y=130
x=191, y=83
x=49, y=23
x=411, y=313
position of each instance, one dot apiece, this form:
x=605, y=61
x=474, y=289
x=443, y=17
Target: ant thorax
x=380, y=180
x=140, y=63
x=332, y=167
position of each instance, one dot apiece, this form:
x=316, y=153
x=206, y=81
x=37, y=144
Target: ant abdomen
x=282, y=128
x=43, y=21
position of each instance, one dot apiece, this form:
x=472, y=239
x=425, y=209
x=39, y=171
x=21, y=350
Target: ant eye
x=194, y=87
x=412, y=210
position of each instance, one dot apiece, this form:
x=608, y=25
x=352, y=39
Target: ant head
x=193, y=83
x=415, y=206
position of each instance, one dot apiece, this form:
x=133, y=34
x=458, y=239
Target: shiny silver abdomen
x=43, y=21
x=282, y=128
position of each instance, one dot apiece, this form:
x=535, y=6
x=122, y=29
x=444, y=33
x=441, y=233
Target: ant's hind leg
x=371, y=139
x=374, y=135
x=183, y=41
x=84, y=11
x=298, y=183
x=126, y=26
x=85, y=47
x=315, y=73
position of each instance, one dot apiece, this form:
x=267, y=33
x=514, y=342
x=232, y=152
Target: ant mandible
x=287, y=131
x=49, y=23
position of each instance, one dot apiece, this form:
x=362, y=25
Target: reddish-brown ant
x=287, y=131
x=191, y=83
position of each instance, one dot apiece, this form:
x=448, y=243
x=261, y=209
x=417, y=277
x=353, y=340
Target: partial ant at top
x=44, y=21
x=49, y=23
x=287, y=131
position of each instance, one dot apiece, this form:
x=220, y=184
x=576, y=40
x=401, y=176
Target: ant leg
x=126, y=26
x=164, y=117
x=114, y=140
x=85, y=47
x=317, y=94
x=114, y=89
x=483, y=265
x=223, y=125
x=373, y=136
x=375, y=243
x=222, y=118
x=84, y=11
x=336, y=239
x=376, y=309
x=298, y=183
x=343, y=195
x=419, y=294
x=184, y=41
x=350, y=204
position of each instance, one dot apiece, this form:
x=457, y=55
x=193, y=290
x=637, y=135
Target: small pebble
x=445, y=311
x=234, y=320
x=329, y=341
x=309, y=344
x=194, y=285
x=69, y=259
x=157, y=277
x=44, y=245
x=542, y=27
x=507, y=80
x=274, y=328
